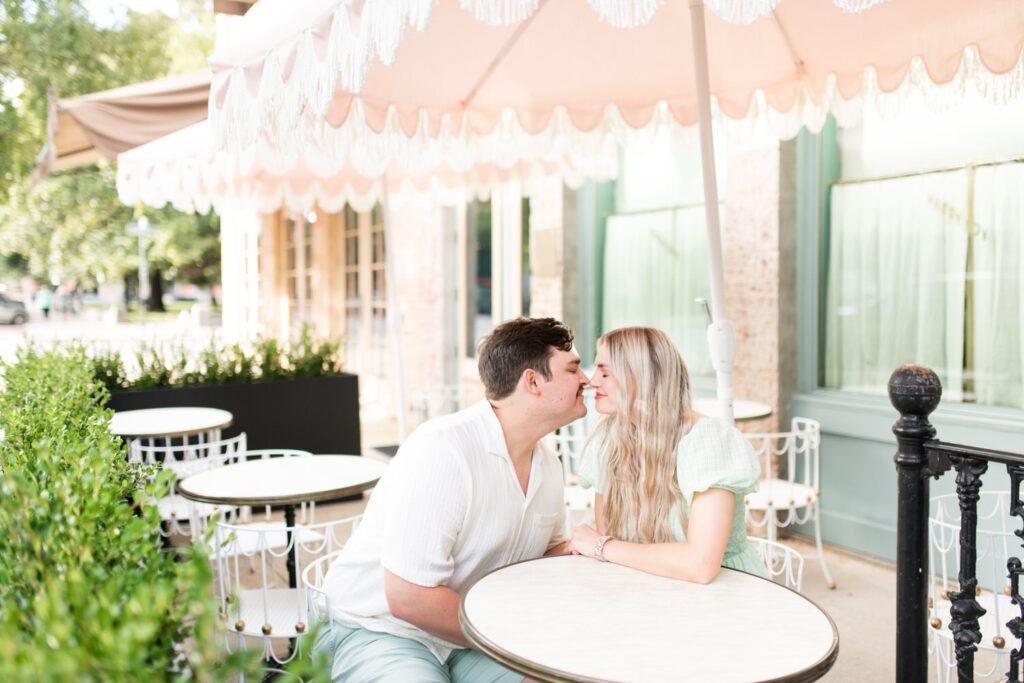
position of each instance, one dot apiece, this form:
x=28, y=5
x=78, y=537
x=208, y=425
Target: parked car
x=12, y=311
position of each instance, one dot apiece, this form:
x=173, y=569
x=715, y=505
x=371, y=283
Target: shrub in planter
x=282, y=395
x=85, y=591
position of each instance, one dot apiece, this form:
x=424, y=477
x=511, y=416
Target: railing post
x=915, y=392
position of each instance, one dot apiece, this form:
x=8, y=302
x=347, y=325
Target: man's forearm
x=435, y=609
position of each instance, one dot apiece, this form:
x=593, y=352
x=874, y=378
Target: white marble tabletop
x=284, y=481
x=741, y=409
x=157, y=422
x=571, y=618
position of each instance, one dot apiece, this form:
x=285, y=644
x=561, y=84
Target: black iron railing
x=915, y=392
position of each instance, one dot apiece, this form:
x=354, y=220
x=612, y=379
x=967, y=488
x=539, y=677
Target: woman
x=670, y=483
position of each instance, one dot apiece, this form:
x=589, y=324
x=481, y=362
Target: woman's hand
x=583, y=540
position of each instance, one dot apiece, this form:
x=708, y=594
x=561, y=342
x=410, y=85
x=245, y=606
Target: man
x=466, y=493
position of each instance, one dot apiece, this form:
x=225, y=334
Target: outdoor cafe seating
x=790, y=491
x=180, y=515
x=258, y=605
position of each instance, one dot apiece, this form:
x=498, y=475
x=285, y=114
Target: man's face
x=563, y=393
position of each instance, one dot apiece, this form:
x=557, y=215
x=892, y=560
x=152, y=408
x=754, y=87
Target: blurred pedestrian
x=44, y=297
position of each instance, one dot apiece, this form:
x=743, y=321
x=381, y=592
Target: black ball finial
x=914, y=390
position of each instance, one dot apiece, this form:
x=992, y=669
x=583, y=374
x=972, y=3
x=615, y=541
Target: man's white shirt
x=448, y=510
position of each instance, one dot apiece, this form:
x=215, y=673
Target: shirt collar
x=493, y=433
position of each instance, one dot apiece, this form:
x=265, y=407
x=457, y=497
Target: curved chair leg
x=817, y=541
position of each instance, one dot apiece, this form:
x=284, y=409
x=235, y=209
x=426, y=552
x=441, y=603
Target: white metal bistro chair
x=259, y=606
x=567, y=442
x=318, y=603
x=995, y=544
x=181, y=515
x=785, y=564
x=793, y=498
x=448, y=398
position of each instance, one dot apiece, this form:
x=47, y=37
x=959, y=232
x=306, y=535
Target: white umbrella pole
x=393, y=316
x=721, y=337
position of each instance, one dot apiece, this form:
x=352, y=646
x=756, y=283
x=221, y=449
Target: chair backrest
x=785, y=564
x=567, y=443
x=264, y=453
x=252, y=575
x=448, y=398
x=317, y=601
x=188, y=459
x=795, y=451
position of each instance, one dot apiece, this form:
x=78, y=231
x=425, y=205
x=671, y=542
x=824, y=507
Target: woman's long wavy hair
x=653, y=413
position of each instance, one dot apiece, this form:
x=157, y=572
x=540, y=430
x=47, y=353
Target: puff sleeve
x=714, y=454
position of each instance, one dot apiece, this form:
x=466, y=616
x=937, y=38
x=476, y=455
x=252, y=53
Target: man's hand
x=560, y=549
x=583, y=540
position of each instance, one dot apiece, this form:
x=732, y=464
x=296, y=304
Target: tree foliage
x=71, y=226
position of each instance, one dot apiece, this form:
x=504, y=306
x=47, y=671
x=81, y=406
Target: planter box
x=318, y=414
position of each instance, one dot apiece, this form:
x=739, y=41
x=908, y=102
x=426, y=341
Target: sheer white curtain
x=655, y=265
x=896, y=273
x=998, y=299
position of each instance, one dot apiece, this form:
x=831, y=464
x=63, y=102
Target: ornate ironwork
x=965, y=610
x=915, y=392
x=1014, y=569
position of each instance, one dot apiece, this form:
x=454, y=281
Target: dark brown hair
x=513, y=347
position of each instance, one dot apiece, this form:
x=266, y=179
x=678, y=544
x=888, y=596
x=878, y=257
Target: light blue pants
x=361, y=656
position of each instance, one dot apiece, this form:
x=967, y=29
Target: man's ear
x=531, y=381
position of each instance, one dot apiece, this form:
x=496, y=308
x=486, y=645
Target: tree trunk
x=129, y=286
x=156, y=292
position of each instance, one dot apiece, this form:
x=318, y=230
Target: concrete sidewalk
x=863, y=606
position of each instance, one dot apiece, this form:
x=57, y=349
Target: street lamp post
x=142, y=229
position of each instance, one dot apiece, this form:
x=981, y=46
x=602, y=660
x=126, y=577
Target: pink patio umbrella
x=432, y=83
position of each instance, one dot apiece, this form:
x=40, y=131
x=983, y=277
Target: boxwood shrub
x=86, y=593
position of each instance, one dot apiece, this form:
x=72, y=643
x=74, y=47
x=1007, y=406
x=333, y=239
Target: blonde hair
x=652, y=414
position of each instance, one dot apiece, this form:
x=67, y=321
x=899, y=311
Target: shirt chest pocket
x=538, y=530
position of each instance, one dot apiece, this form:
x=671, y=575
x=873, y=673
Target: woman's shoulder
x=716, y=454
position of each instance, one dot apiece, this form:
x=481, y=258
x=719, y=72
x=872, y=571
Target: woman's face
x=605, y=400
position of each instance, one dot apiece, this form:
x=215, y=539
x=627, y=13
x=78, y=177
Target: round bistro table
x=742, y=410
x=286, y=482
x=153, y=423
x=571, y=618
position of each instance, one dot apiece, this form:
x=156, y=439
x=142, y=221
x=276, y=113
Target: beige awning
x=82, y=130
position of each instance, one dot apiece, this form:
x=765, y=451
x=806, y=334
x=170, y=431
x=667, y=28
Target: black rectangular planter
x=318, y=414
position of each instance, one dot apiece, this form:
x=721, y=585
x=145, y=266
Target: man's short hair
x=514, y=346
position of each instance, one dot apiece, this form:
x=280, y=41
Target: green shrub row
x=175, y=365
x=86, y=593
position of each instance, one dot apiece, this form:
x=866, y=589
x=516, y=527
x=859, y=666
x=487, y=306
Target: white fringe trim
x=499, y=12
x=291, y=136
x=749, y=11
x=195, y=187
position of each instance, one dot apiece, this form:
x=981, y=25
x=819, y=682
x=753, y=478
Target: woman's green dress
x=714, y=454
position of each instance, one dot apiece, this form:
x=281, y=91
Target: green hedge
x=156, y=365
x=86, y=594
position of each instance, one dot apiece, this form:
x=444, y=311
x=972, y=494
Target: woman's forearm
x=697, y=559
x=673, y=560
